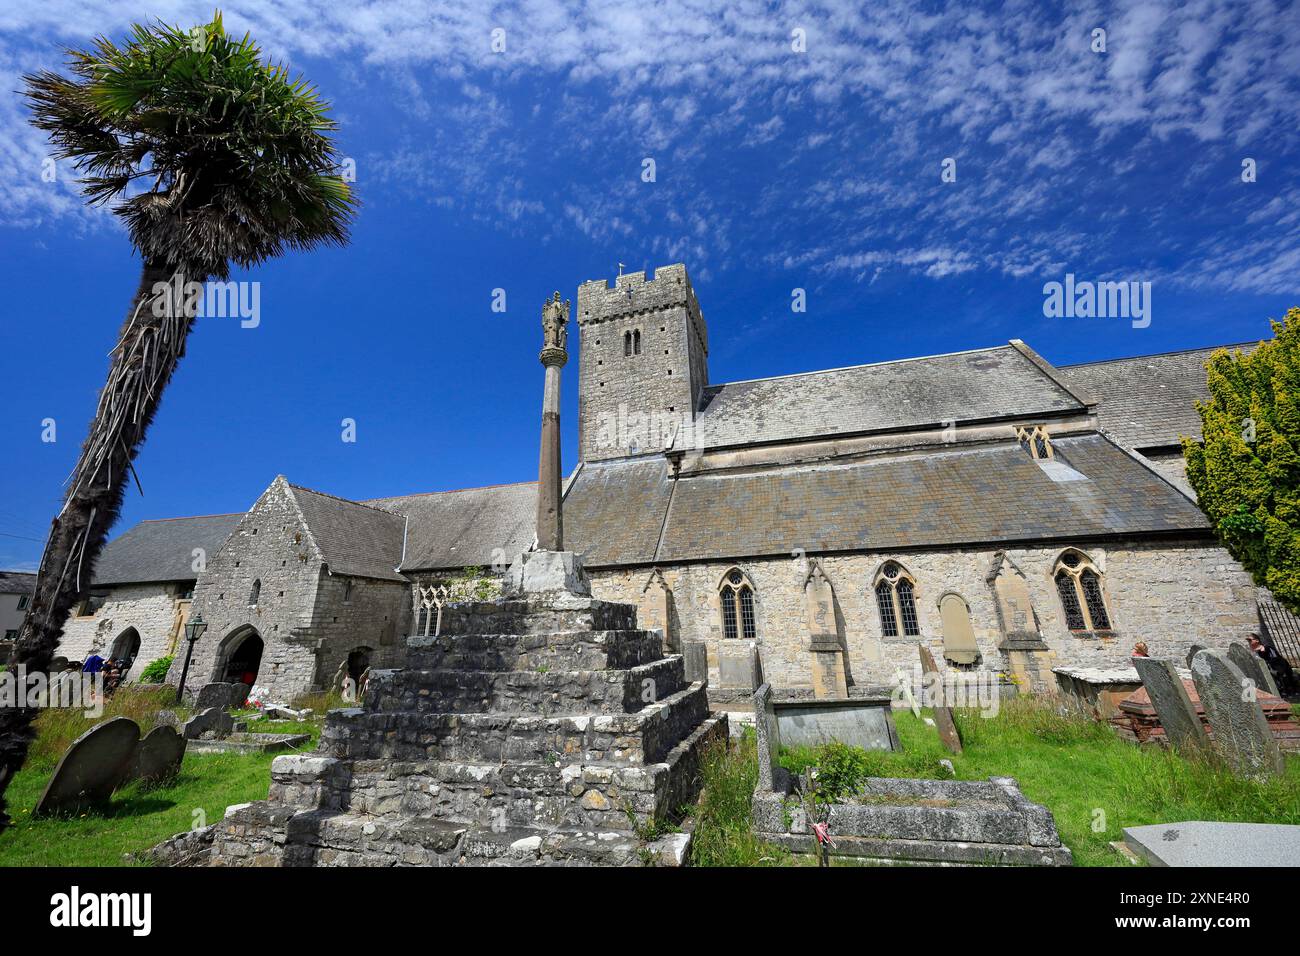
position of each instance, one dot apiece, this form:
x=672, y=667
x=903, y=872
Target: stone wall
x=1173, y=468
x=156, y=611
x=306, y=625
x=1169, y=595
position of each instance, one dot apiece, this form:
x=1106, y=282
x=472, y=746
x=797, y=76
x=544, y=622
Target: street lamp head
x=195, y=627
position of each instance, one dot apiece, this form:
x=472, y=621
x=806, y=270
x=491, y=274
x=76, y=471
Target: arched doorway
x=240, y=659
x=358, y=663
x=125, y=649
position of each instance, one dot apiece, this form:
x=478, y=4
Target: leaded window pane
x=728, y=612
x=747, y=613
x=907, y=606
x=1065, y=587
x=885, y=601
x=1096, y=604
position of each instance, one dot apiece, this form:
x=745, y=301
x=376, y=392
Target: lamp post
x=194, y=629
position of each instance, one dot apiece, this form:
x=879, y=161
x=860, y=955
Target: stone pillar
x=554, y=355
x=828, y=676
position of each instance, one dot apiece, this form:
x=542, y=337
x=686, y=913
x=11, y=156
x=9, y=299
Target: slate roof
x=17, y=582
x=1148, y=401
x=466, y=528
x=353, y=538
x=963, y=386
x=982, y=494
x=161, y=549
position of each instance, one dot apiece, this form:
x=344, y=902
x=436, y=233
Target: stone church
x=1011, y=515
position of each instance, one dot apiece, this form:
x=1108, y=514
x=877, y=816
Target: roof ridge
x=222, y=514
x=1129, y=358
x=449, y=491
x=346, y=501
x=849, y=368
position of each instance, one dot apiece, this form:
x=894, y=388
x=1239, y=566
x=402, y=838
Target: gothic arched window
x=736, y=601
x=636, y=342
x=1079, y=586
x=255, y=594
x=627, y=343
x=896, y=600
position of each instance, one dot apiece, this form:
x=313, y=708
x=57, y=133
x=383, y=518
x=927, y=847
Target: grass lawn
x=136, y=818
x=1094, y=783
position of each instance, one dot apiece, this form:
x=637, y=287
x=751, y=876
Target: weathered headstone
x=943, y=721
x=828, y=677
x=1241, y=732
x=1253, y=666
x=695, y=658
x=214, y=721
x=92, y=768
x=158, y=758
x=1193, y=651
x=738, y=666
x=768, y=736
x=1173, y=705
x=217, y=694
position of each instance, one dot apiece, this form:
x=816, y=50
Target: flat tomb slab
x=1206, y=843
x=248, y=744
x=863, y=722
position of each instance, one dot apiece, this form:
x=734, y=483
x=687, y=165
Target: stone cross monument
x=549, y=568
x=555, y=336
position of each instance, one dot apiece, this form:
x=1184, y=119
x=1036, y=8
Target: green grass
x=1074, y=766
x=136, y=818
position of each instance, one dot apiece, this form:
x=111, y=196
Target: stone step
x=537, y=616
x=590, y=796
x=562, y=650
x=541, y=693
x=594, y=795
x=645, y=736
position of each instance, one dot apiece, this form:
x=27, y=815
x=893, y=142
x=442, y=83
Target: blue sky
x=775, y=169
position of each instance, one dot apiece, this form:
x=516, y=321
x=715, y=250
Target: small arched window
x=627, y=343
x=255, y=594
x=347, y=590
x=636, y=342
x=1082, y=599
x=736, y=601
x=896, y=600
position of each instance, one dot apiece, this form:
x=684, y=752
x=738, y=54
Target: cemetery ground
x=1094, y=783
x=137, y=817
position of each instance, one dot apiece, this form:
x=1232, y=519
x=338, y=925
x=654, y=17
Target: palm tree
x=212, y=157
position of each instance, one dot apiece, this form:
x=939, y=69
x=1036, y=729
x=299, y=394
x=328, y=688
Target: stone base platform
x=542, y=729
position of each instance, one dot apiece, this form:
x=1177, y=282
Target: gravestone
x=1192, y=652
x=220, y=694
x=1241, y=732
x=1253, y=666
x=695, y=658
x=771, y=775
x=738, y=666
x=214, y=722
x=1207, y=843
x=158, y=758
x=1173, y=705
x=92, y=768
x=943, y=721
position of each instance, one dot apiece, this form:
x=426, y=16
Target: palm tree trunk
x=147, y=351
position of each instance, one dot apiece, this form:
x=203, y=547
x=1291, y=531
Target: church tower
x=643, y=364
